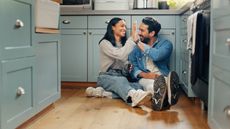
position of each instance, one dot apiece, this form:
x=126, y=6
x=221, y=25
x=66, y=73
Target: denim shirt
x=160, y=54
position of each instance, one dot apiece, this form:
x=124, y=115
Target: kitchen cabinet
x=185, y=58
x=74, y=48
x=79, y=49
x=219, y=89
x=29, y=64
x=17, y=59
x=74, y=55
x=17, y=91
x=93, y=53
x=16, y=21
x=47, y=64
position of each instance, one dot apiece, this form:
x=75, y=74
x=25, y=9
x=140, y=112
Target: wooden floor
x=75, y=111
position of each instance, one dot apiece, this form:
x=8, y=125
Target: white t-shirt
x=151, y=66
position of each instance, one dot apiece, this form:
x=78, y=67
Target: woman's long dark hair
x=109, y=35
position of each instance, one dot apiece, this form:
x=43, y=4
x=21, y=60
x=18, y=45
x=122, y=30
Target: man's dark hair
x=153, y=25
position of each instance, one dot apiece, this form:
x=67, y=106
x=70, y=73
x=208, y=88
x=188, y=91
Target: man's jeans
x=115, y=82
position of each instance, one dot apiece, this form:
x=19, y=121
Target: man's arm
x=148, y=75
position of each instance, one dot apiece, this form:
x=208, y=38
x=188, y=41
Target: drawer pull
x=227, y=111
x=84, y=33
x=19, y=23
x=185, y=40
x=66, y=22
x=90, y=33
x=20, y=91
x=227, y=42
x=184, y=71
x=184, y=19
x=107, y=22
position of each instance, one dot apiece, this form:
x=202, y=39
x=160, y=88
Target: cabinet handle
x=84, y=33
x=66, y=22
x=20, y=91
x=90, y=33
x=184, y=71
x=227, y=42
x=184, y=19
x=172, y=33
x=19, y=23
x=185, y=40
x=227, y=111
x=107, y=22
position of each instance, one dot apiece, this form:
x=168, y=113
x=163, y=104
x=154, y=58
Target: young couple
x=149, y=57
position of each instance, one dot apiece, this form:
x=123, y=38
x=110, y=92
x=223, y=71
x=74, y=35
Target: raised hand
x=134, y=32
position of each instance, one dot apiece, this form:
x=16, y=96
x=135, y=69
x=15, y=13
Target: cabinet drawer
x=102, y=21
x=220, y=97
x=17, y=89
x=16, y=36
x=165, y=21
x=222, y=42
x=73, y=22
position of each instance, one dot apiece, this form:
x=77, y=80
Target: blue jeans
x=116, y=83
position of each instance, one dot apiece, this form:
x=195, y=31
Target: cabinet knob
x=66, y=22
x=185, y=40
x=84, y=33
x=107, y=22
x=227, y=42
x=19, y=23
x=90, y=33
x=227, y=111
x=184, y=71
x=184, y=19
x=172, y=33
x=20, y=91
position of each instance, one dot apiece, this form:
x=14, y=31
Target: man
x=150, y=60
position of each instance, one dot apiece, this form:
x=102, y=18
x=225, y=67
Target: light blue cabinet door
x=94, y=36
x=219, y=89
x=16, y=28
x=17, y=91
x=171, y=36
x=74, y=55
x=48, y=71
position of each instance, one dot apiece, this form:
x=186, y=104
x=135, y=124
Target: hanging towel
x=191, y=31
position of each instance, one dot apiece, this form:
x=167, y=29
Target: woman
x=114, y=50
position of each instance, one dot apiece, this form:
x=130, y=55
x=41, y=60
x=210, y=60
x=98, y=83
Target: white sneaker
x=139, y=97
x=97, y=92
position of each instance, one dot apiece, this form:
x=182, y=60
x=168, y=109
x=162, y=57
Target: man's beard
x=145, y=40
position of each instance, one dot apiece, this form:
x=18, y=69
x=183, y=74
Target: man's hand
x=149, y=75
x=141, y=46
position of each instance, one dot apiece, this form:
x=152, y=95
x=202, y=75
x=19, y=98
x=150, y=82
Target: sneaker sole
x=159, y=93
x=174, y=87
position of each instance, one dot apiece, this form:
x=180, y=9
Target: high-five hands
x=134, y=33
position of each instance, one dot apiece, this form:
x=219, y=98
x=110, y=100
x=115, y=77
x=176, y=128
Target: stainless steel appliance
x=81, y=4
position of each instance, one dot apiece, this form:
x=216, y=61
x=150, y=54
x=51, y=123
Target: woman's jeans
x=115, y=82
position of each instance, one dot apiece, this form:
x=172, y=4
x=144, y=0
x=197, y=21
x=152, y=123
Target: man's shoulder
x=164, y=41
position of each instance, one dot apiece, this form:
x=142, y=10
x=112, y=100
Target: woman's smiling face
x=119, y=29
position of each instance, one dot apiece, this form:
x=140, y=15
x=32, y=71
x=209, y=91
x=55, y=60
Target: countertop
x=76, y=11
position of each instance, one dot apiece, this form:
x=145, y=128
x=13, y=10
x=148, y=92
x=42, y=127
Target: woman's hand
x=134, y=33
